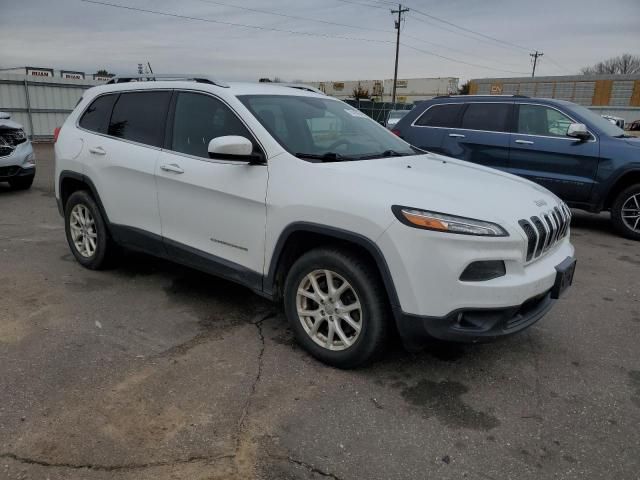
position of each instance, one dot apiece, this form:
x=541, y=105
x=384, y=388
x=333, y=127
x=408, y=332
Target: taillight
x=56, y=132
x=396, y=131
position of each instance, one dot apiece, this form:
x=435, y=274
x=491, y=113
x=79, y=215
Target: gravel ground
x=155, y=371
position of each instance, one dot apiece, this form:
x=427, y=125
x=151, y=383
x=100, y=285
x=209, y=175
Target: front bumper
x=20, y=163
x=472, y=325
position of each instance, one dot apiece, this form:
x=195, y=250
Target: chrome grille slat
x=543, y=231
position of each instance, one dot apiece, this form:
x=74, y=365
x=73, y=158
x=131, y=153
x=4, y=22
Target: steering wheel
x=337, y=143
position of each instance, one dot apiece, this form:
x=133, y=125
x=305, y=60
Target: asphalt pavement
x=155, y=371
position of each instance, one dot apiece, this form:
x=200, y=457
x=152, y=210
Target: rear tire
x=625, y=212
x=21, y=183
x=87, y=233
x=347, y=325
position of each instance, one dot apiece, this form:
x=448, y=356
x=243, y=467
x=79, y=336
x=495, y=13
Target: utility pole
x=535, y=61
x=400, y=11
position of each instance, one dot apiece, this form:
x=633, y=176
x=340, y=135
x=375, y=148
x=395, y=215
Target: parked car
x=617, y=121
x=394, y=117
x=17, y=161
x=634, y=126
x=583, y=158
x=355, y=232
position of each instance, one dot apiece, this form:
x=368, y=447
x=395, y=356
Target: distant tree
x=268, y=80
x=359, y=92
x=464, y=88
x=103, y=73
x=623, y=64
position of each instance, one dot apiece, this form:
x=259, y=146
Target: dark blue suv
x=581, y=157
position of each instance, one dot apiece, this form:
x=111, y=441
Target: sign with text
x=72, y=75
x=39, y=72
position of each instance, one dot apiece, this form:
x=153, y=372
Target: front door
x=212, y=211
x=542, y=152
x=483, y=136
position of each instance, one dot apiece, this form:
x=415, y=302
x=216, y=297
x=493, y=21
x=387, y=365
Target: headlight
x=447, y=223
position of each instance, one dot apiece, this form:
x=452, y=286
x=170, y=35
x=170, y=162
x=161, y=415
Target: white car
x=307, y=201
x=17, y=161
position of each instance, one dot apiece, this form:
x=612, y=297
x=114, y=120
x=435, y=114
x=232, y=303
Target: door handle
x=456, y=135
x=172, y=167
x=97, y=150
x=524, y=142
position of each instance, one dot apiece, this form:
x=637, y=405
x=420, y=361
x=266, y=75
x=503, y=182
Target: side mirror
x=233, y=147
x=579, y=131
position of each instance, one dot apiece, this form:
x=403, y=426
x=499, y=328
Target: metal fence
x=41, y=104
x=379, y=111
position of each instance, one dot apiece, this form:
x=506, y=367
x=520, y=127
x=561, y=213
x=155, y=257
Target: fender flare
x=94, y=192
x=356, y=238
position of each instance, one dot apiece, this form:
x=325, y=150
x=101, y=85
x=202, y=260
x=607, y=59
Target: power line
x=293, y=17
x=292, y=32
x=363, y=4
x=233, y=24
x=460, y=61
x=504, y=42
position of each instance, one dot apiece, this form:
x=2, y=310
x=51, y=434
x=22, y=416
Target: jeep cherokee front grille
x=545, y=230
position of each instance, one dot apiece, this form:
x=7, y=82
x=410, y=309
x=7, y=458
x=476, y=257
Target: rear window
x=140, y=117
x=491, y=117
x=441, y=116
x=96, y=117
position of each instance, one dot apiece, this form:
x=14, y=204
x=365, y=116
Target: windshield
x=603, y=124
x=323, y=128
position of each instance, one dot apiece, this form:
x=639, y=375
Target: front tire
x=86, y=232
x=21, y=183
x=625, y=212
x=337, y=307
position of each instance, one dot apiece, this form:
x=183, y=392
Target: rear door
x=121, y=162
x=542, y=152
x=483, y=134
x=428, y=130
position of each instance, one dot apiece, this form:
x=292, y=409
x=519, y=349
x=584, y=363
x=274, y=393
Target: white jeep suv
x=304, y=199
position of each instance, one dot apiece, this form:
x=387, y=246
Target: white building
x=408, y=90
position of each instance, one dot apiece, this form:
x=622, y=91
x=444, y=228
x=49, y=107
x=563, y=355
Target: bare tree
x=360, y=92
x=623, y=64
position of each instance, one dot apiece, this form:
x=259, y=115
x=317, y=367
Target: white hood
x=6, y=122
x=442, y=184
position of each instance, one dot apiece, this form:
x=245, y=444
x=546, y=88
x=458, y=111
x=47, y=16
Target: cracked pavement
x=155, y=371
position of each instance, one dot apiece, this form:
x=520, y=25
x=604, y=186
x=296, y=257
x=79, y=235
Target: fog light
x=483, y=270
x=29, y=160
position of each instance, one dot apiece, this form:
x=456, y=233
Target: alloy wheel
x=329, y=310
x=631, y=212
x=83, y=230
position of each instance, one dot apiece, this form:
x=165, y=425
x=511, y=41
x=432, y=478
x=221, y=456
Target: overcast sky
x=75, y=35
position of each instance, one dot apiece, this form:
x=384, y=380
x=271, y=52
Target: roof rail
x=486, y=95
x=301, y=86
x=150, y=77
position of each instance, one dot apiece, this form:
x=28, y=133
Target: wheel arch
x=70, y=182
x=625, y=180
x=299, y=237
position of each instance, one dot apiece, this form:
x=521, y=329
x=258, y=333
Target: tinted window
x=541, y=120
x=492, y=117
x=200, y=118
x=96, y=117
x=140, y=117
x=441, y=116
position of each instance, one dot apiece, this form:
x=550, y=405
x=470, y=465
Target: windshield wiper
x=385, y=154
x=325, y=157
